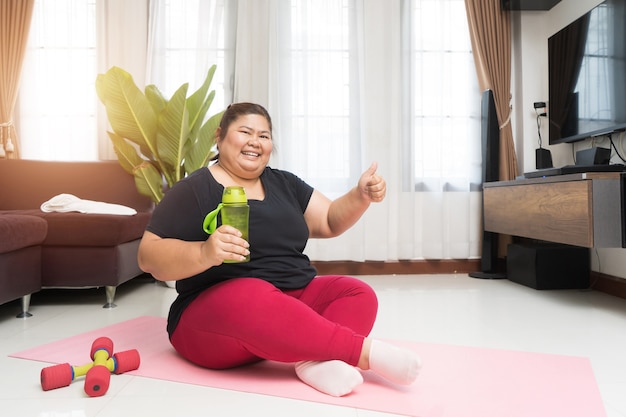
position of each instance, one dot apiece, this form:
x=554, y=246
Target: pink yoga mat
x=455, y=380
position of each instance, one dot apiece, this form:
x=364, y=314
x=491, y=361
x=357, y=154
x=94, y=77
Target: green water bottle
x=234, y=211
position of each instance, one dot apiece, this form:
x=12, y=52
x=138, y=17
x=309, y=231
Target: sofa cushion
x=86, y=229
x=19, y=231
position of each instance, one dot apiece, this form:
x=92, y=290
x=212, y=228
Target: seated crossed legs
x=322, y=329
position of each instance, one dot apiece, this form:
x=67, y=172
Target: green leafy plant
x=157, y=140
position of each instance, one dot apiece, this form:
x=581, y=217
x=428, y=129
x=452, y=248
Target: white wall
x=531, y=30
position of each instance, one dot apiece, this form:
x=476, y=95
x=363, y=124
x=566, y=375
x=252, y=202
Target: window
x=57, y=104
x=444, y=103
x=321, y=93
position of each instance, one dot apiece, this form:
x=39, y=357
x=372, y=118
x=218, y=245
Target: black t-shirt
x=277, y=232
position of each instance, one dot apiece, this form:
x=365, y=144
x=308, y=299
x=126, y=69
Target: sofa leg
x=25, y=307
x=110, y=291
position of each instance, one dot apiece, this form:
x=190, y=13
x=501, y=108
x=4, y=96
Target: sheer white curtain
x=347, y=82
x=440, y=133
x=317, y=105
x=57, y=101
x=386, y=81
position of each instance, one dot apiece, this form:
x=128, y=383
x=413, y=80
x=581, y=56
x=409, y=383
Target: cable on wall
x=615, y=148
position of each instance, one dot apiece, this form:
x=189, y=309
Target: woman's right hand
x=225, y=244
x=174, y=259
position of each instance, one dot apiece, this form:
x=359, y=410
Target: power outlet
x=540, y=105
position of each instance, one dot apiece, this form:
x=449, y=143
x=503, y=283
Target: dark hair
x=235, y=110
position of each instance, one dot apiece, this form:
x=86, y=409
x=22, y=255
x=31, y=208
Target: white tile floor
x=450, y=309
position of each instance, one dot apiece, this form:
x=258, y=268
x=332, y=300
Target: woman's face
x=247, y=146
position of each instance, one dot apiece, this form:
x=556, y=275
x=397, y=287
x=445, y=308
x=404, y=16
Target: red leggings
x=245, y=320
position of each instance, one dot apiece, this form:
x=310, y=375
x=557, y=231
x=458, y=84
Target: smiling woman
x=274, y=306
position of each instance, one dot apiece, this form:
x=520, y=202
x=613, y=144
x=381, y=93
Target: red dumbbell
x=97, y=373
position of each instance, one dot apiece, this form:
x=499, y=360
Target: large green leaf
x=173, y=134
x=149, y=181
x=195, y=127
x=126, y=153
x=129, y=112
x=202, y=150
x=156, y=98
x=196, y=103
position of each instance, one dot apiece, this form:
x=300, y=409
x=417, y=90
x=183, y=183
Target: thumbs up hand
x=371, y=185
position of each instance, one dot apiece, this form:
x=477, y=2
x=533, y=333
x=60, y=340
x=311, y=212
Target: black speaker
x=490, y=144
x=490, y=137
x=548, y=266
x=543, y=158
x=593, y=156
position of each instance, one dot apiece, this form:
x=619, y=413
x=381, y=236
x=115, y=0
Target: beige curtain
x=490, y=32
x=15, y=18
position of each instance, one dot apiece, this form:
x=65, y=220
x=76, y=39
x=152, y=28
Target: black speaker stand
x=487, y=275
x=489, y=259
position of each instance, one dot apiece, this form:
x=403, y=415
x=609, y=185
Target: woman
x=273, y=307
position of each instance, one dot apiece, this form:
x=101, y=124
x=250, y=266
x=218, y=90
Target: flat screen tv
x=587, y=75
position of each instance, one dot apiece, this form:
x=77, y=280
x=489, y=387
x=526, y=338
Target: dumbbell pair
x=97, y=373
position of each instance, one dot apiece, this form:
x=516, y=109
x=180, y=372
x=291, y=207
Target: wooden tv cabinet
x=584, y=209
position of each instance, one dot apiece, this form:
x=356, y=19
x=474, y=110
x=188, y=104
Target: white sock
x=396, y=364
x=334, y=377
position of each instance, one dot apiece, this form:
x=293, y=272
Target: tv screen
x=587, y=75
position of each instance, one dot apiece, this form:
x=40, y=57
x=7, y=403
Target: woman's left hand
x=371, y=185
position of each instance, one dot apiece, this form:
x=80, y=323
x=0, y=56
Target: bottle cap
x=234, y=195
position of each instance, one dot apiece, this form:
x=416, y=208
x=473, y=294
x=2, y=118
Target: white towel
x=64, y=203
